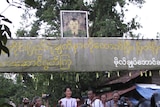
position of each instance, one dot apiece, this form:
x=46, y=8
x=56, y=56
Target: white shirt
x=95, y=103
x=102, y=105
x=68, y=102
x=88, y=101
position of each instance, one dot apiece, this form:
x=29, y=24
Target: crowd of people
x=92, y=100
x=36, y=102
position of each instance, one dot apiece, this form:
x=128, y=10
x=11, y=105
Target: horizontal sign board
x=80, y=55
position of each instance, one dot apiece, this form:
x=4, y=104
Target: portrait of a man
x=74, y=24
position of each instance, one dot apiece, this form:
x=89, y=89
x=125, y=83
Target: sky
x=148, y=17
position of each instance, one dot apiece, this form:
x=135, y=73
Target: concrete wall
x=80, y=55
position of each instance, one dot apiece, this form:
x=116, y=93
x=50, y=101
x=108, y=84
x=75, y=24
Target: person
x=125, y=102
x=68, y=101
x=155, y=100
x=74, y=26
x=145, y=103
x=115, y=100
x=37, y=102
x=103, y=100
x=92, y=100
x=25, y=102
x=12, y=103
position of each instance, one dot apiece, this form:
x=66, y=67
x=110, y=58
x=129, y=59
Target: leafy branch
x=4, y=33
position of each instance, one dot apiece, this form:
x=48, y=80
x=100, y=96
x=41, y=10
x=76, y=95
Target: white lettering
x=134, y=62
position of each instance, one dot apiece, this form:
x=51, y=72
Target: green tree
x=104, y=19
x=8, y=89
x=4, y=33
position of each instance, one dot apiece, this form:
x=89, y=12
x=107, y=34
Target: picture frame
x=74, y=23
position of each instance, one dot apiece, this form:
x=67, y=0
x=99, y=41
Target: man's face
x=38, y=102
x=115, y=97
x=90, y=94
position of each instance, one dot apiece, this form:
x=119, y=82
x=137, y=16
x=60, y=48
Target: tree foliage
x=8, y=89
x=104, y=19
x=4, y=33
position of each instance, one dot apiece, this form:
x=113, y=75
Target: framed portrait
x=74, y=23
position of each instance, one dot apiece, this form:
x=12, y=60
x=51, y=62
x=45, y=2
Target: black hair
x=93, y=91
x=74, y=19
x=103, y=94
x=67, y=88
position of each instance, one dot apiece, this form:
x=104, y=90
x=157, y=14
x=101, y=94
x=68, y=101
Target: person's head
x=74, y=26
x=25, y=101
x=115, y=96
x=103, y=98
x=37, y=101
x=91, y=94
x=68, y=91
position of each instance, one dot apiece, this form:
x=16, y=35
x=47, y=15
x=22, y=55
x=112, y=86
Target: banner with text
x=80, y=55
